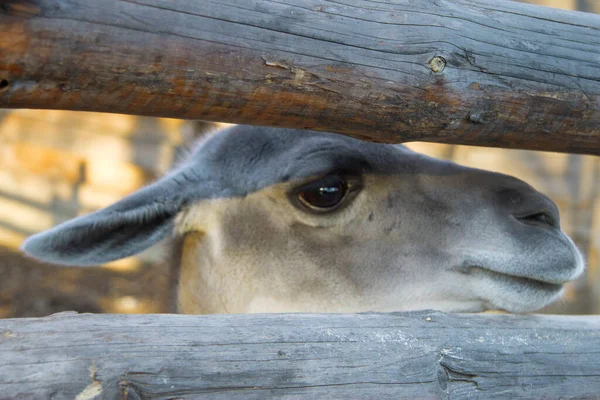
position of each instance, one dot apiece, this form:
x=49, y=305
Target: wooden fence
x=422, y=355
x=457, y=71
x=498, y=74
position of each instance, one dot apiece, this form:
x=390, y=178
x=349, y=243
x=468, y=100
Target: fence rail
x=499, y=74
x=395, y=356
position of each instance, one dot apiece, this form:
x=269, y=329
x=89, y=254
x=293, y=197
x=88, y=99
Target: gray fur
x=448, y=233
x=235, y=162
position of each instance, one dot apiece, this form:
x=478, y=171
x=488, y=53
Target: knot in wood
x=437, y=64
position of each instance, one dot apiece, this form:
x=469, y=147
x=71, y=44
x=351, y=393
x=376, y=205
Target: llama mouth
x=513, y=293
x=515, y=280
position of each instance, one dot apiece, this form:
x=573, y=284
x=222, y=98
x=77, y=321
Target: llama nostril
x=529, y=206
x=539, y=218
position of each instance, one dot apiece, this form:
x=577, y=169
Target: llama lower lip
x=517, y=280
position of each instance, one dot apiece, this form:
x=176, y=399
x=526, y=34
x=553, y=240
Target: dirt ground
x=32, y=289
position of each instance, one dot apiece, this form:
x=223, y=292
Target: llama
x=278, y=220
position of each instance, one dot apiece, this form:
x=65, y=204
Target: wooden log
x=491, y=73
x=378, y=356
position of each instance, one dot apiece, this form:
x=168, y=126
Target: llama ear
x=120, y=230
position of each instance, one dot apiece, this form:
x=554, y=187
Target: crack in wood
x=452, y=378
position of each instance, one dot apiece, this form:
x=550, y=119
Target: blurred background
x=55, y=165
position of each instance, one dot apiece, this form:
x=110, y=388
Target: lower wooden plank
x=381, y=356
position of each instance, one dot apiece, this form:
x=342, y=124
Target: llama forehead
x=246, y=159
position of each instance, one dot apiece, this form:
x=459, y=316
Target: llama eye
x=324, y=194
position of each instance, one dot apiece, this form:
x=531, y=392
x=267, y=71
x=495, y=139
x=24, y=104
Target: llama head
x=311, y=221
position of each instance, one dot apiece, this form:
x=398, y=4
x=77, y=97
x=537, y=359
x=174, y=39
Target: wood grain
x=424, y=355
x=490, y=73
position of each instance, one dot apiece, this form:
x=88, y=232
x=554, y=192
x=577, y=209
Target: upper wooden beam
x=480, y=72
